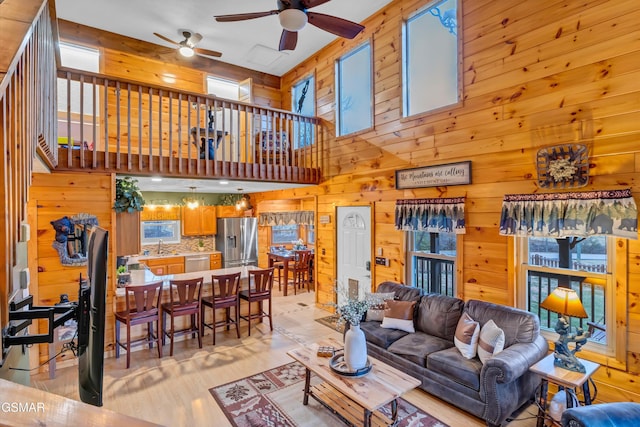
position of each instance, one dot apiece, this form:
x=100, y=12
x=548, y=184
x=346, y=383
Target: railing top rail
x=75, y=75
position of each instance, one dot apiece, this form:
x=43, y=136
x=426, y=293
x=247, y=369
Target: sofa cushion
x=451, y=364
x=466, y=338
x=403, y=292
x=491, y=341
x=399, y=315
x=438, y=315
x=377, y=304
x=381, y=337
x=416, y=347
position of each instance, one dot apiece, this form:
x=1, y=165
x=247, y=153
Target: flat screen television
x=91, y=319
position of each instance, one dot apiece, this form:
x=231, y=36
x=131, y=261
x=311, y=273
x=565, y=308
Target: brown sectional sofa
x=491, y=391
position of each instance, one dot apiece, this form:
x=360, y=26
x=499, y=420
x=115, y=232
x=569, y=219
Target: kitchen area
x=182, y=239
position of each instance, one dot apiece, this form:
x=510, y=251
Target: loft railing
x=131, y=127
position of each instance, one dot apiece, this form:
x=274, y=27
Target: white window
x=583, y=264
x=354, y=91
x=70, y=102
x=303, y=101
x=430, y=58
x=431, y=261
x=151, y=232
x=222, y=88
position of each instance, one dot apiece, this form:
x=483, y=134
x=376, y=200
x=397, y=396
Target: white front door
x=354, y=252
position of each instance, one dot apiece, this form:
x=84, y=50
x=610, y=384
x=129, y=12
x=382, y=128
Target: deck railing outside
x=131, y=127
x=434, y=275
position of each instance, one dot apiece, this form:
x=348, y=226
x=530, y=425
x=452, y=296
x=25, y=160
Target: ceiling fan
x=294, y=14
x=187, y=47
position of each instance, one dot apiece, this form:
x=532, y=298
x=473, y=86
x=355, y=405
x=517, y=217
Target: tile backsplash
x=187, y=244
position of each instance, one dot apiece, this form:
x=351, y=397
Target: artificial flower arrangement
x=298, y=244
x=352, y=311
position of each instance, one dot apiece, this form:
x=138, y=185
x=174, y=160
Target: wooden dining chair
x=185, y=297
x=225, y=289
x=142, y=306
x=260, y=287
x=301, y=270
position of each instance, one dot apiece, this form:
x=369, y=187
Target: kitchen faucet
x=160, y=246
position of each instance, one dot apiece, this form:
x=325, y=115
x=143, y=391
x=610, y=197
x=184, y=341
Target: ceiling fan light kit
x=186, y=51
x=292, y=19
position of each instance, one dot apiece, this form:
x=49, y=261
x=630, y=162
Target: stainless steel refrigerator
x=237, y=239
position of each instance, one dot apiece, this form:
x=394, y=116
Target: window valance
x=286, y=218
x=444, y=215
x=587, y=213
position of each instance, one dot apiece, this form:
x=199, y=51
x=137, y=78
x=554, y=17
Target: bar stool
x=185, y=302
x=260, y=286
x=224, y=295
x=142, y=306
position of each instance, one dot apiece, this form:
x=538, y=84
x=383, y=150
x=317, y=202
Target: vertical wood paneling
x=535, y=74
x=55, y=196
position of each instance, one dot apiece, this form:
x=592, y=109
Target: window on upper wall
x=303, y=99
x=431, y=260
x=70, y=100
x=222, y=88
x=354, y=91
x=582, y=264
x=430, y=58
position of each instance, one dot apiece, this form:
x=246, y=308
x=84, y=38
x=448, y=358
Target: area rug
x=331, y=322
x=274, y=398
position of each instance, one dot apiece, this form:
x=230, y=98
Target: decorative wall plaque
x=434, y=176
x=563, y=166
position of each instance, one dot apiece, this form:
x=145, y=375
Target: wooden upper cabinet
x=160, y=213
x=199, y=221
x=127, y=233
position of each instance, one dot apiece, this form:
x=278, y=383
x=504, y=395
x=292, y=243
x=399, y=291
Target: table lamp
x=566, y=303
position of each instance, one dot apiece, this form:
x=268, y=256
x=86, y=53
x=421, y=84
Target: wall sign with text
x=434, y=176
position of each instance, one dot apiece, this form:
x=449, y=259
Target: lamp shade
x=564, y=301
x=292, y=19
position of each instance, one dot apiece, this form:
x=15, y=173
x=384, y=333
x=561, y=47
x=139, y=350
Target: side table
x=563, y=378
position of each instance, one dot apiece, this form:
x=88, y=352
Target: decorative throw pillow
x=377, y=304
x=491, y=341
x=466, y=337
x=399, y=315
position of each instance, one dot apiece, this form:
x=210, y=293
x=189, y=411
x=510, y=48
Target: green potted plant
x=201, y=244
x=128, y=195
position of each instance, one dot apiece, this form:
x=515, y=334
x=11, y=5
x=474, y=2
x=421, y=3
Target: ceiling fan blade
x=333, y=24
x=206, y=52
x=308, y=4
x=165, y=38
x=244, y=16
x=288, y=40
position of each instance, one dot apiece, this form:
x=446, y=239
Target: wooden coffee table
x=355, y=400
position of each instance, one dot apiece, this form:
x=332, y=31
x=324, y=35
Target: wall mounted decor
x=563, y=166
x=434, y=176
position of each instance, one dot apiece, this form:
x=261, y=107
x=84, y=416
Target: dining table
x=285, y=256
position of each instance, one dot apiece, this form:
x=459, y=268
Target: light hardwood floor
x=174, y=391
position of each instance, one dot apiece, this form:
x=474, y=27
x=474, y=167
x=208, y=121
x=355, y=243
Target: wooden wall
x=534, y=74
x=52, y=197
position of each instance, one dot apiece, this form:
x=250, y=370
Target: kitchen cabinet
x=215, y=261
x=127, y=233
x=166, y=265
x=200, y=221
x=160, y=213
